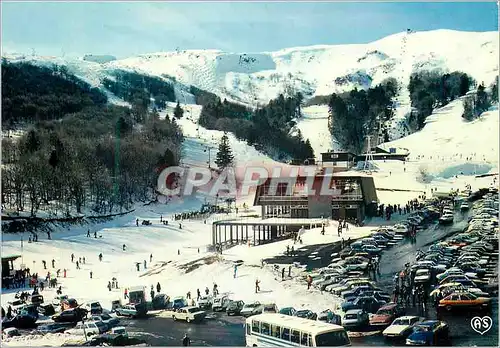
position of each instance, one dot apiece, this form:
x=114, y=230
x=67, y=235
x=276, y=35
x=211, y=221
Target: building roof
x=10, y=257
x=302, y=324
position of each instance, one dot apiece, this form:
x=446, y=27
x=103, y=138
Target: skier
x=57, y=272
x=198, y=294
x=80, y=259
x=186, y=341
x=44, y=264
x=290, y=271
x=257, y=285
x=180, y=226
x=100, y=257
x=59, y=290
x=292, y=251
x=88, y=233
x=150, y=258
x=84, y=260
x=109, y=286
x=178, y=252
x=137, y=222
x=64, y=272
x=158, y=287
x=90, y=274
x=145, y=264
x=235, y=269
x=283, y=273
x=48, y=235
x=72, y=257
x=95, y=234
x=77, y=265
x=137, y=265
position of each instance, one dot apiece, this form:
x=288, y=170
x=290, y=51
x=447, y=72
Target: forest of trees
x=33, y=93
x=94, y=157
x=138, y=89
x=432, y=89
x=357, y=113
x=267, y=128
x=480, y=101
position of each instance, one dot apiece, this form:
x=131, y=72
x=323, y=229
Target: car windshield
x=422, y=328
x=252, y=305
x=332, y=339
x=193, y=310
x=401, y=322
x=385, y=311
x=351, y=316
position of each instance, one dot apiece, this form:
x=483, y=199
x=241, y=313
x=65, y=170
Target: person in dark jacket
x=186, y=341
x=158, y=287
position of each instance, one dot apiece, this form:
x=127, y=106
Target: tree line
x=36, y=93
x=97, y=157
x=358, y=113
x=269, y=129
x=480, y=101
x=432, y=89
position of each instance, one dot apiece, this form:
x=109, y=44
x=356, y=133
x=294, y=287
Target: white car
x=422, y=276
x=401, y=327
x=220, y=303
x=205, y=302
x=189, y=314
x=88, y=328
x=248, y=308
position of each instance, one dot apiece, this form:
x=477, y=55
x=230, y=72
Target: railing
x=351, y=197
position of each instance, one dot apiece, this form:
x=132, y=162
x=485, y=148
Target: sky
x=124, y=29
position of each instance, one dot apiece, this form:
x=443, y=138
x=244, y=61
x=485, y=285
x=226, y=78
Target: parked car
x=93, y=308
x=119, y=330
x=307, y=314
x=106, y=319
x=248, y=308
x=72, y=315
x=205, y=302
x=10, y=332
x=127, y=311
x=234, y=307
x=179, y=302
x=464, y=300
x=53, y=327
x=288, y=311
x=369, y=304
x=401, y=327
x=422, y=276
x=265, y=308
x=428, y=333
x=386, y=314
x=88, y=328
x=355, y=318
x=189, y=314
x=220, y=303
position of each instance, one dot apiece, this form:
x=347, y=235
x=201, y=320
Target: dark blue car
x=428, y=333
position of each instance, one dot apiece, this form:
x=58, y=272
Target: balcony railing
x=301, y=198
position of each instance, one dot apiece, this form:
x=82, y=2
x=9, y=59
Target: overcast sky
x=124, y=28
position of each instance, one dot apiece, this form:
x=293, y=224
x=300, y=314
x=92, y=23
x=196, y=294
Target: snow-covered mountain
x=255, y=78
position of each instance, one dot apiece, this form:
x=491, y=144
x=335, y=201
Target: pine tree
x=224, y=154
x=482, y=99
x=178, y=112
x=494, y=91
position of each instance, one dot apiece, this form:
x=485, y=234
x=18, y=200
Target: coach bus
x=271, y=329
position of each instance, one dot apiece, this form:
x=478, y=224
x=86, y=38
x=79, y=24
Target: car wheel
x=173, y=317
x=188, y=319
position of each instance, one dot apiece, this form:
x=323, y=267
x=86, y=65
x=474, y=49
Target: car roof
x=429, y=322
x=407, y=317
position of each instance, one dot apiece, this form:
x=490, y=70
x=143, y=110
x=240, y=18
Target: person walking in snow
x=109, y=285
x=150, y=258
x=72, y=257
x=88, y=233
x=44, y=264
x=290, y=271
x=235, y=270
x=84, y=260
x=145, y=264
x=309, y=282
x=80, y=259
x=178, y=251
x=188, y=295
x=48, y=235
x=64, y=273
x=257, y=285
x=124, y=247
x=283, y=273
x=137, y=222
x=77, y=265
x=137, y=265
x=207, y=291
x=57, y=272
x=125, y=293
x=198, y=294
x=100, y=257
x=95, y=234
x=158, y=287
x=186, y=341
x=90, y=274
x=53, y=263
x=215, y=291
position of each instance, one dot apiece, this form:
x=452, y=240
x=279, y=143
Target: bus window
x=304, y=340
x=295, y=337
x=265, y=329
x=285, y=334
x=248, y=329
x=275, y=331
x=255, y=326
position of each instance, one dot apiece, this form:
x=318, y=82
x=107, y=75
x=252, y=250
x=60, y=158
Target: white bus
x=271, y=329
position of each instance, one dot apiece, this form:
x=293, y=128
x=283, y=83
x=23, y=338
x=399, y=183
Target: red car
x=386, y=314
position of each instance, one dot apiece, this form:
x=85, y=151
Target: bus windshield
x=332, y=339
